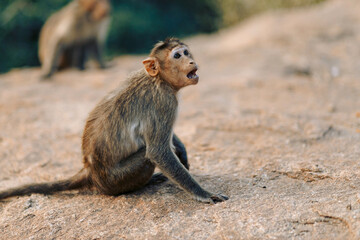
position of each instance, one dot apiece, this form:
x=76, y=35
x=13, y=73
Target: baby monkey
x=130, y=132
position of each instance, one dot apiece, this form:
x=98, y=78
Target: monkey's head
x=97, y=9
x=172, y=61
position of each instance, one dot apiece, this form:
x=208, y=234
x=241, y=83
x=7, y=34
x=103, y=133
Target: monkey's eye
x=186, y=52
x=177, y=55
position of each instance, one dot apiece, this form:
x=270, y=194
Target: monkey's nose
x=192, y=62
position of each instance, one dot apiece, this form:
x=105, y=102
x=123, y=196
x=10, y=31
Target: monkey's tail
x=79, y=180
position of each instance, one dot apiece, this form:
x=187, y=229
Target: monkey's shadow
x=154, y=186
x=158, y=185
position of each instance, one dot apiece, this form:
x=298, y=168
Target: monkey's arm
x=159, y=152
x=180, y=152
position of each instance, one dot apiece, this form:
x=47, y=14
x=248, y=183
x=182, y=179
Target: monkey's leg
x=65, y=60
x=127, y=175
x=79, y=56
x=51, y=60
x=94, y=47
x=82, y=58
x=180, y=151
x=157, y=178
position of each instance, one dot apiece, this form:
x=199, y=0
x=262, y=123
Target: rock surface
x=274, y=123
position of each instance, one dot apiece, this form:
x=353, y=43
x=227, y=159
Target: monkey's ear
x=151, y=66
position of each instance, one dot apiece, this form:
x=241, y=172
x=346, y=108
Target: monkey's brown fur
x=70, y=35
x=130, y=132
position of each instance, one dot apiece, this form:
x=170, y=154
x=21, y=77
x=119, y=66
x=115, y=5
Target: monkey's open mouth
x=192, y=74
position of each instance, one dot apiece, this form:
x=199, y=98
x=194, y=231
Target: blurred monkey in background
x=73, y=34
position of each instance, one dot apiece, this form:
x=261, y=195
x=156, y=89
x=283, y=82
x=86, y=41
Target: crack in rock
x=325, y=218
x=305, y=174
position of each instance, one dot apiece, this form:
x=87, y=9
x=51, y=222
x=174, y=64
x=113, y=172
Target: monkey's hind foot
x=213, y=198
x=157, y=178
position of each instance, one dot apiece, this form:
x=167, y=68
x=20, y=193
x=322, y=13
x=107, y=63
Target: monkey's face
x=98, y=9
x=101, y=10
x=176, y=66
x=179, y=67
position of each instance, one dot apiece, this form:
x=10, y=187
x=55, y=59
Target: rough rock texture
x=274, y=123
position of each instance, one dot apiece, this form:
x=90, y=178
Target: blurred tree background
x=136, y=24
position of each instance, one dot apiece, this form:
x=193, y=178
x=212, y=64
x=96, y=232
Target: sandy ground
x=274, y=123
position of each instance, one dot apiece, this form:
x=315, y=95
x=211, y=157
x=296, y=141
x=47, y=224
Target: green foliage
x=136, y=24
x=20, y=23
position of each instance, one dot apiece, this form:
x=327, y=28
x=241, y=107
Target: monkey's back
x=49, y=30
x=116, y=127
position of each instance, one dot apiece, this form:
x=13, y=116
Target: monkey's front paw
x=213, y=198
x=45, y=77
